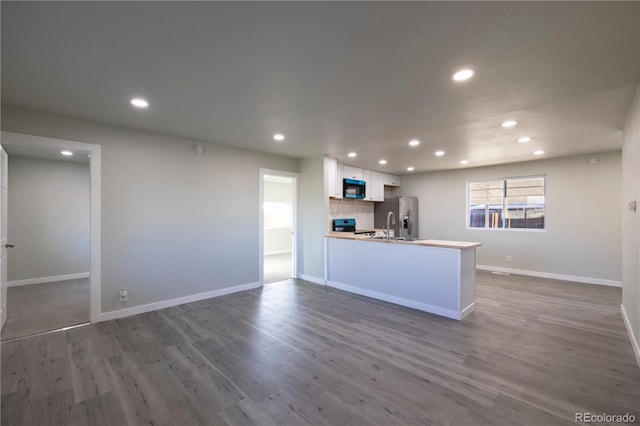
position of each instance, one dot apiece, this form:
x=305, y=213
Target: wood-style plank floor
x=534, y=352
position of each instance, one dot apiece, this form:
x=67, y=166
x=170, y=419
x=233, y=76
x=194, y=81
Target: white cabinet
x=339, y=179
x=333, y=177
x=353, y=173
x=330, y=170
x=376, y=181
x=375, y=185
x=392, y=180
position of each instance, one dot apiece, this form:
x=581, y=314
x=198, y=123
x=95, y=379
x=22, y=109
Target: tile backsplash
x=362, y=211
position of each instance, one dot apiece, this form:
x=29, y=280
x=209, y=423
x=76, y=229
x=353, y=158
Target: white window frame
x=504, y=205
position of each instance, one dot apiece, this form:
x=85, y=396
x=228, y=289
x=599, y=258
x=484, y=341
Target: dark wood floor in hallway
x=534, y=352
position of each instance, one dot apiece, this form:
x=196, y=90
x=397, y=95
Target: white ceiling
x=336, y=77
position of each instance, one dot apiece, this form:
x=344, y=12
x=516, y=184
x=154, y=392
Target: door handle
x=9, y=245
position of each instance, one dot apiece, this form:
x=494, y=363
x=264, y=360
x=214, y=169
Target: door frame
x=4, y=160
x=95, y=166
x=294, y=238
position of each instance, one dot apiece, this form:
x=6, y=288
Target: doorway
x=278, y=226
x=53, y=278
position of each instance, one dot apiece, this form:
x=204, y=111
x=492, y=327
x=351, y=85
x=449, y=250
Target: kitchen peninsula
x=430, y=275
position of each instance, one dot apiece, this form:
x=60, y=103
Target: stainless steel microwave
x=353, y=188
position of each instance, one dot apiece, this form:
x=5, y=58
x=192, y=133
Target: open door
x=3, y=235
x=278, y=191
x=40, y=142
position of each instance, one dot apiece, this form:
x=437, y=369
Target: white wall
x=630, y=224
x=583, y=236
x=174, y=223
x=278, y=240
x=48, y=218
x=312, y=219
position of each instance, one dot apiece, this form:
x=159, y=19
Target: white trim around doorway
x=295, y=177
x=94, y=150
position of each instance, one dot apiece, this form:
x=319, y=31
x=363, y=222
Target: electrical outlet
x=509, y=258
x=124, y=295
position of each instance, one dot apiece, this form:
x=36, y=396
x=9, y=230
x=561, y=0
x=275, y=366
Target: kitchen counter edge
x=427, y=243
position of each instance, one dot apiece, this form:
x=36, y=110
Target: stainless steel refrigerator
x=405, y=210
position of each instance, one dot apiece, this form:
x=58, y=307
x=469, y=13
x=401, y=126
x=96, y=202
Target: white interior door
x=3, y=235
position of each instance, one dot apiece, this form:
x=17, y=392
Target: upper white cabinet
x=333, y=178
x=392, y=180
x=353, y=173
x=376, y=181
x=375, y=185
x=339, y=179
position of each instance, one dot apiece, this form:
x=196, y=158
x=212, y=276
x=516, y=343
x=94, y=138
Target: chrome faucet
x=390, y=217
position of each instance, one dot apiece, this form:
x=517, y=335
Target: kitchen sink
x=380, y=237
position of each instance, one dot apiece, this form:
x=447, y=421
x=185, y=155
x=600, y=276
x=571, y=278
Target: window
x=277, y=215
x=511, y=203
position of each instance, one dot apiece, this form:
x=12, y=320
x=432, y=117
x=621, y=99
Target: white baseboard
x=575, y=278
x=466, y=311
x=271, y=253
x=311, y=279
x=141, y=309
x=449, y=313
x=632, y=337
x=43, y=280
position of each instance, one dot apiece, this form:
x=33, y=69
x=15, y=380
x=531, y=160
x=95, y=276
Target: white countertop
x=427, y=243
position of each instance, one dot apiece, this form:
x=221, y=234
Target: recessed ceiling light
x=538, y=152
x=278, y=137
x=414, y=142
x=464, y=161
x=509, y=123
x=352, y=154
x=524, y=139
x=464, y=74
x=67, y=153
x=382, y=162
x=139, y=102
x=410, y=169
x=439, y=153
